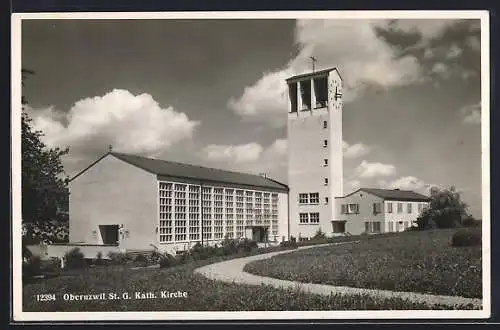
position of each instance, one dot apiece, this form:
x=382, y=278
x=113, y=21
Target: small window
x=314, y=217
x=391, y=226
x=326, y=181
x=304, y=217
x=325, y=124
x=325, y=162
x=389, y=207
x=314, y=198
x=400, y=207
x=325, y=143
x=409, y=208
x=377, y=208
x=303, y=198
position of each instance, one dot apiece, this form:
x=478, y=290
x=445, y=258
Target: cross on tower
x=314, y=60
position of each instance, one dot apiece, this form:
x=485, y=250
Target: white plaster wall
x=404, y=216
x=114, y=192
x=306, y=154
x=356, y=222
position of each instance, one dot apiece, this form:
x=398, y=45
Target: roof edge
x=426, y=198
x=320, y=72
x=90, y=166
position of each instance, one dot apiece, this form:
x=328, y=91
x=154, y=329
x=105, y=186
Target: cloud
x=454, y=52
x=441, y=70
x=352, y=185
x=250, y=158
x=427, y=29
x=351, y=45
x=355, y=150
x=232, y=153
x=367, y=170
x=408, y=183
x=279, y=147
x=266, y=98
x=471, y=113
x=474, y=43
x=130, y=123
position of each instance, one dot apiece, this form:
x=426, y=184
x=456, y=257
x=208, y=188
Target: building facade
x=141, y=204
x=315, y=160
x=375, y=211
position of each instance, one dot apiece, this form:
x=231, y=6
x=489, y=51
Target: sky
x=213, y=93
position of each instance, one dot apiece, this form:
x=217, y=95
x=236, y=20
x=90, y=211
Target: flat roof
x=311, y=74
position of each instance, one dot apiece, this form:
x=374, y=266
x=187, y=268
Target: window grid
x=224, y=211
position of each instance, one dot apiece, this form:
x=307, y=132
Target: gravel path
x=232, y=271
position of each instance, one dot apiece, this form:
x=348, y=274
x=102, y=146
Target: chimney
x=264, y=175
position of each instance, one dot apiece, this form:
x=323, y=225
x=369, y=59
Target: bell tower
x=315, y=168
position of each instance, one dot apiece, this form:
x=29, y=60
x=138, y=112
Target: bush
x=98, y=259
x=319, y=235
x=168, y=260
x=229, y=246
x=74, y=259
x=141, y=258
x=289, y=244
x=184, y=257
x=467, y=237
x=412, y=228
x=470, y=222
x=247, y=245
x=117, y=258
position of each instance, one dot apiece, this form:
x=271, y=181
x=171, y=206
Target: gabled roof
x=393, y=194
x=188, y=171
x=312, y=74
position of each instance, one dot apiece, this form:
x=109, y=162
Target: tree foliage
x=44, y=184
x=446, y=210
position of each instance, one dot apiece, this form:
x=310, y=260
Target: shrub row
x=467, y=237
x=200, y=252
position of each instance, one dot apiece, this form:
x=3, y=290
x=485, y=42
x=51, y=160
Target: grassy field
x=202, y=294
x=422, y=261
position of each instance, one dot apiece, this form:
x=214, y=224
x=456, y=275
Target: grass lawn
x=202, y=294
x=422, y=261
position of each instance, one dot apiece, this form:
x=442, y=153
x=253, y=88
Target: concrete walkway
x=231, y=271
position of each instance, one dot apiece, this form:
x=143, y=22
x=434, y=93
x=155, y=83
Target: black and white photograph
x=252, y=165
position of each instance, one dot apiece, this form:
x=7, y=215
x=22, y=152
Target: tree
x=44, y=184
x=446, y=210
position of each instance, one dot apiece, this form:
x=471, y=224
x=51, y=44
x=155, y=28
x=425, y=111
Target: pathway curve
x=231, y=271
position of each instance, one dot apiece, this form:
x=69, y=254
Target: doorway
x=109, y=234
x=259, y=234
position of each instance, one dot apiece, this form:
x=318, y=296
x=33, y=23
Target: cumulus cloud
x=233, y=153
x=454, y=52
x=408, y=183
x=471, y=113
x=367, y=170
x=351, y=45
x=279, y=147
x=352, y=185
x=250, y=158
x=355, y=150
x=441, y=70
x=130, y=123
